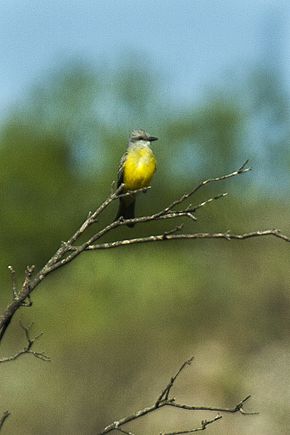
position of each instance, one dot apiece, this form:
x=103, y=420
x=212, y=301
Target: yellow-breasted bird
x=137, y=167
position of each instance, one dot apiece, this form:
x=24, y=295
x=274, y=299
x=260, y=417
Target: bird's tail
x=126, y=210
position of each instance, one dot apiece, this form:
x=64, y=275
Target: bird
x=136, y=169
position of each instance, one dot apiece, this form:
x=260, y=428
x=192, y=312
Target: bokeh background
x=210, y=78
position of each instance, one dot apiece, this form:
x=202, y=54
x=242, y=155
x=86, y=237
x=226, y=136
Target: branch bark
x=164, y=399
x=162, y=237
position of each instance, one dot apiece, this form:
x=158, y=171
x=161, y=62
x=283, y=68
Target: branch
x=161, y=237
x=165, y=393
x=237, y=408
x=28, y=348
x=164, y=399
x=77, y=250
x=204, y=424
x=69, y=251
x=242, y=170
x=5, y=415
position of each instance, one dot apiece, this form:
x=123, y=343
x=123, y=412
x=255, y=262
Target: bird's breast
x=139, y=168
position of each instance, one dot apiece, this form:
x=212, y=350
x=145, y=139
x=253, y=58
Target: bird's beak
x=152, y=138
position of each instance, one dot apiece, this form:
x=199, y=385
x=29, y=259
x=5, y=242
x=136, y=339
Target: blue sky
x=193, y=43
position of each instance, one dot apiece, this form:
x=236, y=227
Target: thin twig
x=5, y=415
x=165, y=400
x=28, y=348
x=208, y=201
x=204, y=424
x=242, y=170
x=165, y=393
x=238, y=408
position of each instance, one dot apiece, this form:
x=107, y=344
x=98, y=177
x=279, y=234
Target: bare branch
x=28, y=348
x=20, y=299
x=208, y=201
x=165, y=400
x=5, y=415
x=166, y=213
x=242, y=170
x=116, y=424
x=165, y=393
x=90, y=220
x=68, y=251
x=59, y=259
x=161, y=237
x=204, y=424
x=238, y=408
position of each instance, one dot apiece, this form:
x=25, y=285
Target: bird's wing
x=121, y=170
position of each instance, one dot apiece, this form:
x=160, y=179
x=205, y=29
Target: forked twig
x=28, y=348
x=164, y=399
x=165, y=393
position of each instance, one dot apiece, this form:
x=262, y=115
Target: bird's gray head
x=141, y=136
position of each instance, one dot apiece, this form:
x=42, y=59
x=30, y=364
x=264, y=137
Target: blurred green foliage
x=116, y=321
